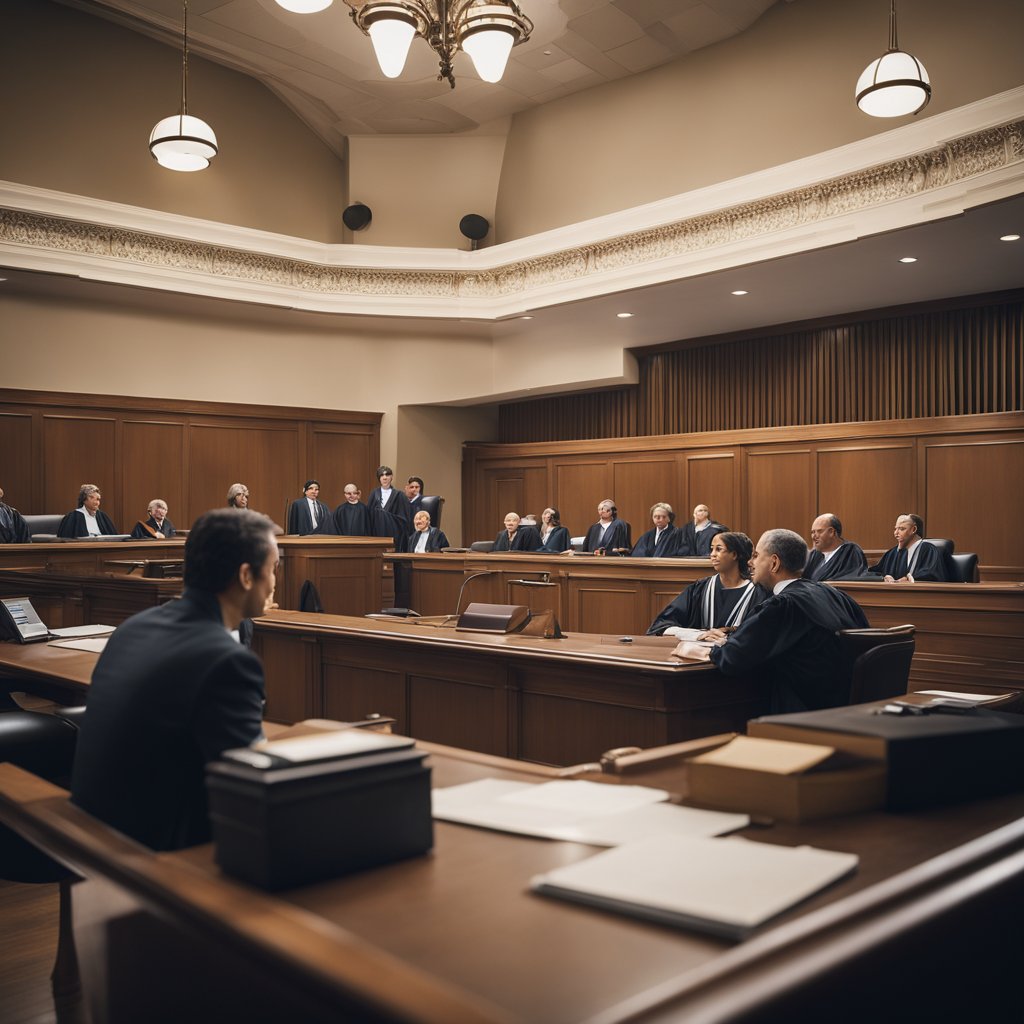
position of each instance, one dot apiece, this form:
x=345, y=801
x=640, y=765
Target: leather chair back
x=967, y=566
x=881, y=661
x=946, y=546
x=434, y=504
x=42, y=528
x=482, y=545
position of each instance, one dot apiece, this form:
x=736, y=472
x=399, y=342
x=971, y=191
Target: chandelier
x=486, y=29
x=896, y=83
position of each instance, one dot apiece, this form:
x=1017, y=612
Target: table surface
x=41, y=661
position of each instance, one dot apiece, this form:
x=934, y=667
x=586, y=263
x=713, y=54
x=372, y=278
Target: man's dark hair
x=309, y=483
x=917, y=521
x=789, y=546
x=384, y=471
x=222, y=540
x=741, y=546
x=836, y=525
x=415, y=480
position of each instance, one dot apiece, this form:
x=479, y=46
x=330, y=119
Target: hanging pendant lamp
x=896, y=84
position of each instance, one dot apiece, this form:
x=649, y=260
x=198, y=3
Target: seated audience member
x=351, y=517
x=720, y=602
x=698, y=534
x=309, y=514
x=414, y=493
x=516, y=537
x=390, y=515
x=88, y=520
x=790, y=641
x=157, y=526
x=914, y=560
x=238, y=497
x=833, y=558
x=609, y=533
x=424, y=536
x=13, y=529
x=554, y=537
x=173, y=689
x=663, y=540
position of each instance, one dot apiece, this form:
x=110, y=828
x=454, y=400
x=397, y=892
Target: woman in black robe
x=76, y=523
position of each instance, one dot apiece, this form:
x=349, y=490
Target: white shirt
x=826, y=555
x=703, y=526
x=312, y=511
x=912, y=553
x=385, y=496
x=421, y=542
x=91, y=524
x=782, y=584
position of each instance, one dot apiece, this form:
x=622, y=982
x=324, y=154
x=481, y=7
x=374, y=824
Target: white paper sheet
x=92, y=646
x=66, y=632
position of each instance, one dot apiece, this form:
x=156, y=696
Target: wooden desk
x=552, y=701
x=968, y=634
x=54, y=672
x=926, y=928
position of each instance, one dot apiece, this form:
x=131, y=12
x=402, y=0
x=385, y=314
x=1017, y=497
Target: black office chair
x=482, y=545
x=43, y=528
x=434, y=504
x=967, y=567
x=946, y=546
x=881, y=661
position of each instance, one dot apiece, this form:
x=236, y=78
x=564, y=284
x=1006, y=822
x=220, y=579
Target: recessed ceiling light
x=1009, y=238
x=526, y=318
x=740, y=291
x=624, y=316
x=908, y=259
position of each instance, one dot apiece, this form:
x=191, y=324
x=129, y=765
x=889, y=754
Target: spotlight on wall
x=475, y=228
x=896, y=83
x=357, y=216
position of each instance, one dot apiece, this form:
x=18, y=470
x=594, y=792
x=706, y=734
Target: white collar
x=782, y=584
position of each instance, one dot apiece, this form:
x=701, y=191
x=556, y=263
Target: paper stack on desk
x=575, y=811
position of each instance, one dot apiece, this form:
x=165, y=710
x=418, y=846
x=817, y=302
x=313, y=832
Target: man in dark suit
x=173, y=689
x=833, y=558
x=13, y=529
x=309, y=514
x=790, y=641
x=414, y=492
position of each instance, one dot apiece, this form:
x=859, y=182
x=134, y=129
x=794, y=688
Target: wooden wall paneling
x=338, y=457
x=292, y=670
x=355, y=686
x=974, y=491
x=711, y=478
x=780, y=490
x=638, y=484
x=580, y=486
x=462, y=703
x=263, y=457
x=17, y=476
x=867, y=486
x=81, y=450
x=152, y=467
x=607, y=606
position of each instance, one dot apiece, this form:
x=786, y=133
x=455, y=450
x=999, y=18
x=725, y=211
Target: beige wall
x=454, y=175
x=82, y=96
x=777, y=92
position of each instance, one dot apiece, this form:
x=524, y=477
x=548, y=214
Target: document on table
x=92, y=645
x=69, y=632
x=580, y=812
x=726, y=887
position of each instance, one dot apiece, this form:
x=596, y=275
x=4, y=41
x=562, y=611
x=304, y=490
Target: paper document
x=966, y=698
x=66, y=632
x=723, y=886
x=93, y=646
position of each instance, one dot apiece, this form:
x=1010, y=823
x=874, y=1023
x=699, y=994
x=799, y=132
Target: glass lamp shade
x=894, y=85
x=391, y=35
x=304, y=6
x=183, y=143
x=489, y=48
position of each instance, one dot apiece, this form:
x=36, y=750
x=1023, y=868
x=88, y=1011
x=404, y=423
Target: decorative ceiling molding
x=940, y=181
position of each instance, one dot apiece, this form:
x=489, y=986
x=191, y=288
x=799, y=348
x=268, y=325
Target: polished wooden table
x=968, y=635
x=56, y=673
x=927, y=927
x=552, y=701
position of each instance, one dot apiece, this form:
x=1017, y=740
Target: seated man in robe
x=610, y=534
x=351, y=517
x=13, y=529
x=790, y=641
x=914, y=560
x=157, y=526
x=833, y=558
x=88, y=520
x=424, y=536
x=699, y=533
x=516, y=537
x=662, y=541
x=309, y=514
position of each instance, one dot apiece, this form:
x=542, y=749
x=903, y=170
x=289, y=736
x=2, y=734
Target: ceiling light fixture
x=896, y=83
x=1009, y=238
x=740, y=291
x=486, y=29
x=623, y=316
x=526, y=318
x=182, y=142
x=305, y=6
x=908, y=259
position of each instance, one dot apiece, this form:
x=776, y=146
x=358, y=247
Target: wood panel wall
x=964, y=474
x=187, y=453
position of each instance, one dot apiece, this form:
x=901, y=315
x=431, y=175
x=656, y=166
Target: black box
x=281, y=827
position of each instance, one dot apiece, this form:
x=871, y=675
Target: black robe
x=698, y=545
x=616, y=536
x=790, y=642
x=394, y=520
x=527, y=538
x=299, y=521
x=846, y=564
x=932, y=565
x=13, y=529
x=352, y=519
x=667, y=546
x=139, y=532
x=436, y=540
x=73, y=524
x=687, y=610
x=557, y=540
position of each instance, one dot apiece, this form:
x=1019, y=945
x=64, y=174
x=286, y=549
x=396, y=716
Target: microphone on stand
x=458, y=603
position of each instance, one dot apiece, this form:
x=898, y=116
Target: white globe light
x=894, y=85
x=183, y=143
x=391, y=38
x=489, y=49
x=304, y=6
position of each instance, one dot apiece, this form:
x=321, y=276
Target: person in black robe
x=390, y=515
x=699, y=533
x=720, y=602
x=157, y=526
x=791, y=640
x=414, y=492
x=435, y=540
x=610, y=534
x=663, y=540
x=351, y=517
x=517, y=537
x=554, y=537
x=914, y=560
x=309, y=514
x=832, y=557
x=75, y=523
x=13, y=528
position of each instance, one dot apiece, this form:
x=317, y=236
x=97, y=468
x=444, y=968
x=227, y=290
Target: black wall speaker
x=357, y=216
x=474, y=227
